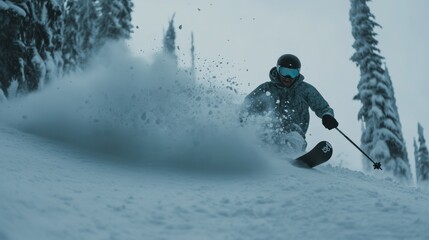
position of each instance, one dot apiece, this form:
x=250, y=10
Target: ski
x=321, y=153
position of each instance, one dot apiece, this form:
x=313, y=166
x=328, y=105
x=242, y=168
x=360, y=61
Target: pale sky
x=251, y=35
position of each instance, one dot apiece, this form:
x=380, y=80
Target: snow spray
x=153, y=114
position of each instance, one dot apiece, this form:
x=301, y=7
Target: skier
x=286, y=100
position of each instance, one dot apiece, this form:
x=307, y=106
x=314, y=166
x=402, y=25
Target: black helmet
x=289, y=61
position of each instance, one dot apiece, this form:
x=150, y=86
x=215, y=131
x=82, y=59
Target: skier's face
x=286, y=81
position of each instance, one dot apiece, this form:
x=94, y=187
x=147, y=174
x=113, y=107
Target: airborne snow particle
x=143, y=116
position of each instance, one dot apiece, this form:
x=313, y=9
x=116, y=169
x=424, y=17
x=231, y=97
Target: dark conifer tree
x=170, y=39
x=115, y=20
x=33, y=43
x=42, y=38
x=422, y=159
x=72, y=38
x=12, y=47
x=88, y=29
x=382, y=136
x=192, y=56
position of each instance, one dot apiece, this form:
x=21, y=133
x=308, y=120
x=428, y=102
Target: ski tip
x=321, y=153
x=325, y=146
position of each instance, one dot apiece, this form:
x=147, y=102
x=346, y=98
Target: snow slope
x=52, y=191
x=133, y=151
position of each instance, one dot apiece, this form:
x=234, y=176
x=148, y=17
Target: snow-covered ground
x=123, y=152
x=52, y=191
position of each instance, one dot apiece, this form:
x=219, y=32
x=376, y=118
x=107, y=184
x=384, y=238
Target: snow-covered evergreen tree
x=422, y=159
x=41, y=38
x=71, y=48
x=114, y=21
x=12, y=47
x=32, y=34
x=170, y=39
x=54, y=21
x=416, y=151
x=392, y=122
x=88, y=29
x=192, y=55
x=125, y=19
x=382, y=135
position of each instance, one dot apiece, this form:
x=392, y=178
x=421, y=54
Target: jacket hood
x=274, y=77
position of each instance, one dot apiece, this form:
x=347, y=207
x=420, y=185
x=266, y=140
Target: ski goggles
x=291, y=72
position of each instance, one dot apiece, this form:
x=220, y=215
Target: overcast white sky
x=250, y=35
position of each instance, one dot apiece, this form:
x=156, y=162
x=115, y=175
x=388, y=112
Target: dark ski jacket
x=287, y=107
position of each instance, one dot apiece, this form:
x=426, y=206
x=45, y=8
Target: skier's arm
x=317, y=103
x=321, y=107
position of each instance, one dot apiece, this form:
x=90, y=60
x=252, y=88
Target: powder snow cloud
x=149, y=113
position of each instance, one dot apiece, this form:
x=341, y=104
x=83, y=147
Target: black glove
x=329, y=122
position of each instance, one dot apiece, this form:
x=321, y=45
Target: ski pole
x=376, y=165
